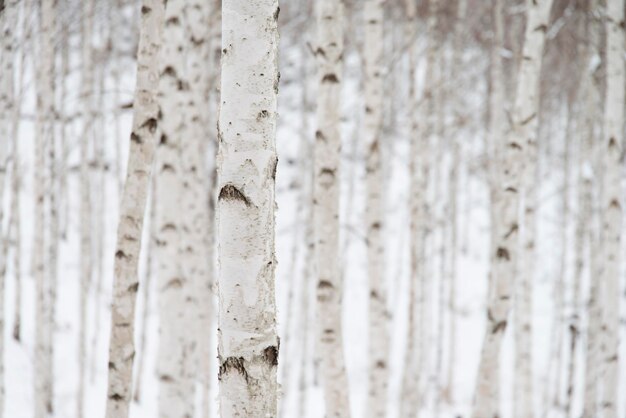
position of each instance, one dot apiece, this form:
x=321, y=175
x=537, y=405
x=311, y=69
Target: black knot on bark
x=270, y=355
x=231, y=193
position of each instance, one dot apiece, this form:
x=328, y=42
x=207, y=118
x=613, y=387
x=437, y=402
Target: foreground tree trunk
x=329, y=54
x=504, y=257
x=132, y=210
x=612, y=201
x=248, y=342
x=373, y=16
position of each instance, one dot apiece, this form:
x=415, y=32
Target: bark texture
x=612, y=201
x=329, y=54
x=373, y=16
x=132, y=210
x=247, y=338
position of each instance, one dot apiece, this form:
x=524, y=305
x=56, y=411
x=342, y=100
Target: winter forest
x=327, y=209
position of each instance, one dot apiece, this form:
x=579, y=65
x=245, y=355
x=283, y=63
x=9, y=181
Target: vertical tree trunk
x=198, y=194
x=8, y=20
x=373, y=15
x=142, y=142
x=592, y=104
x=454, y=190
x=409, y=401
x=248, y=342
x=44, y=139
x=87, y=85
x=516, y=151
x=612, y=200
x=329, y=54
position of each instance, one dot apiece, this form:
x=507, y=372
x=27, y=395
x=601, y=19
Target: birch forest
x=312, y=209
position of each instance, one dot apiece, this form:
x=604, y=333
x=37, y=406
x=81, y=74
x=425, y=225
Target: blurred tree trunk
x=518, y=162
x=44, y=141
x=373, y=16
x=329, y=54
x=612, y=201
x=409, y=401
x=8, y=120
x=86, y=262
x=176, y=293
x=589, y=169
x=247, y=338
x=142, y=144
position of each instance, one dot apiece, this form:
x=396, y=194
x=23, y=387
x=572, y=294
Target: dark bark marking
x=330, y=78
x=231, y=193
x=150, y=124
x=503, y=253
x=270, y=355
x=135, y=138
x=233, y=364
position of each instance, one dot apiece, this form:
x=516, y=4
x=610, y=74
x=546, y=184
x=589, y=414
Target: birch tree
x=140, y=156
x=8, y=20
x=44, y=139
x=87, y=84
x=504, y=252
x=329, y=54
x=409, y=401
x=612, y=200
x=373, y=16
x=589, y=169
x=247, y=338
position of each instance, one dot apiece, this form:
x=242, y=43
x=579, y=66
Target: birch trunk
x=409, y=402
x=329, y=54
x=454, y=190
x=592, y=103
x=517, y=148
x=44, y=139
x=612, y=201
x=85, y=197
x=8, y=20
x=247, y=338
x=142, y=143
x=373, y=15
x=199, y=192
x=175, y=287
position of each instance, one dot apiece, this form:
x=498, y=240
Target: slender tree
x=373, y=16
x=247, y=338
x=612, y=200
x=329, y=53
x=142, y=144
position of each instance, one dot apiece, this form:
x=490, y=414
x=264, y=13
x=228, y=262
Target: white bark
x=612, y=201
x=198, y=194
x=142, y=144
x=87, y=85
x=373, y=15
x=592, y=103
x=505, y=253
x=8, y=19
x=409, y=402
x=44, y=139
x=329, y=54
x=247, y=338
x=454, y=190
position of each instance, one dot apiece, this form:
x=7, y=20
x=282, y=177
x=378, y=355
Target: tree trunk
x=409, y=401
x=85, y=196
x=8, y=20
x=612, y=201
x=44, y=139
x=329, y=54
x=140, y=156
x=373, y=15
x=515, y=151
x=247, y=338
